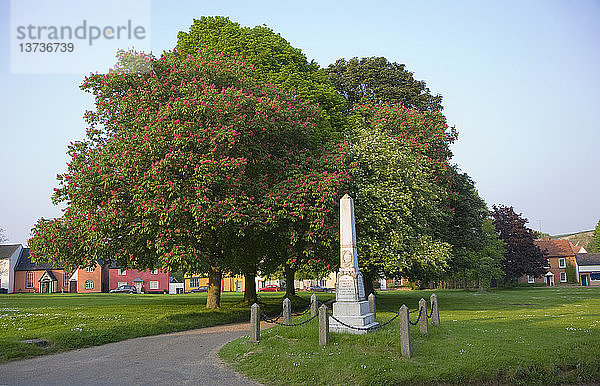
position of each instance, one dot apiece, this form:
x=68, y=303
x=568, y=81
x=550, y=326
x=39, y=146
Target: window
x=561, y=263
x=154, y=272
x=89, y=284
x=153, y=285
x=195, y=282
x=29, y=280
x=547, y=263
x=66, y=279
x=122, y=272
x=121, y=283
x=595, y=276
x=90, y=269
x=563, y=276
x=530, y=279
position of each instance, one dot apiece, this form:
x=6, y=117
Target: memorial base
x=355, y=314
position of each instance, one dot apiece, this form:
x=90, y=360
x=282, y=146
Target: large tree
x=521, y=255
x=476, y=249
x=400, y=182
x=376, y=80
x=188, y=158
x=277, y=62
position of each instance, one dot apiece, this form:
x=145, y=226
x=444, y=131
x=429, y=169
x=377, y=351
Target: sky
x=520, y=81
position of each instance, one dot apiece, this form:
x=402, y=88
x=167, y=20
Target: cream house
x=9, y=255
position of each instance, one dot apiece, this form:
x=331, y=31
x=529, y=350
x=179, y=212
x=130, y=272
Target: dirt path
x=182, y=358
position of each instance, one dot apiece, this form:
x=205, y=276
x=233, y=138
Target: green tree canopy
x=476, y=249
x=377, y=80
x=275, y=59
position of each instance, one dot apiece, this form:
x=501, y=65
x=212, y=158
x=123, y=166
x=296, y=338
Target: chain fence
x=265, y=318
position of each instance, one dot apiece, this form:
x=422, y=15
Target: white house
x=588, y=268
x=9, y=256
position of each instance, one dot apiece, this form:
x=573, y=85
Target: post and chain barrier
x=324, y=313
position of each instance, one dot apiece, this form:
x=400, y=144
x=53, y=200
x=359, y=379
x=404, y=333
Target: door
x=584, y=280
x=73, y=286
x=45, y=287
x=548, y=281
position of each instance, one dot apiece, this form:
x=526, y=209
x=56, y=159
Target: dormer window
x=561, y=263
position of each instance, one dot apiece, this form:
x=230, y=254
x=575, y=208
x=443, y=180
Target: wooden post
x=314, y=305
x=323, y=325
x=372, y=304
x=424, y=321
x=405, y=347
x=287, y=311
x=435, y=313
x=255, y=323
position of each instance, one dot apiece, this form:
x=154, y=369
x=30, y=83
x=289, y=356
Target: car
x=202, y=288
x=317, y=288
x=129, y=289
x=270, y=288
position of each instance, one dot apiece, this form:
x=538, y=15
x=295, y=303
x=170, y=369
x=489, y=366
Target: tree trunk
x=213, y=300
x=250, y=288
x=290, y=290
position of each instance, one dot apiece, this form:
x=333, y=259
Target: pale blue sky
x=520, y=80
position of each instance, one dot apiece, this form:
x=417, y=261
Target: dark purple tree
x=521, y=255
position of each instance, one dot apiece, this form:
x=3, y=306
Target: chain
x=354, y=327
x=431, y=313
x=263, y=317
x=419, y=318
x=389, y=321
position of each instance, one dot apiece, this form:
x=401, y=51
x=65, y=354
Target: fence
x=321, y=311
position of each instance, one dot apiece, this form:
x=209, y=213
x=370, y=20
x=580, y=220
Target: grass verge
x=517, y=336
x=72, y=321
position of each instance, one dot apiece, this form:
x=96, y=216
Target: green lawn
x=71, y=321
x=528, y=336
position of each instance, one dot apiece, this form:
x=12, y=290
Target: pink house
x=153, y=281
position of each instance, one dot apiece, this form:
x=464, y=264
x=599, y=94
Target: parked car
x=270, y=288
x=317, y=288
x=202, y=288
x=129, y=289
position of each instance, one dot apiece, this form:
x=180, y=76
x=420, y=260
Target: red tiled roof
x=556, y=248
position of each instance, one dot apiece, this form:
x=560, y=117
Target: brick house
x=51, y=277
x=559, y=255
x=153, y=281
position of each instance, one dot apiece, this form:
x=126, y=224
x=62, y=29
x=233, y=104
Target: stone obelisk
x=350, y=307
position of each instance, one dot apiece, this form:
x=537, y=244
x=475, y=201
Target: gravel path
x=182, y=358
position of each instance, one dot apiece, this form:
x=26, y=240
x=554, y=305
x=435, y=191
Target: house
x=9, y=255
x=235, y=283
x=229, y=283
x=175, y=287
x=51, y=277
x=152, y=281
x=560, y=259
x=588, y=268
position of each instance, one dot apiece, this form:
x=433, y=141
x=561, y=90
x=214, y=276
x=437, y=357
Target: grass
x=72, y=321
x=517, y=336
